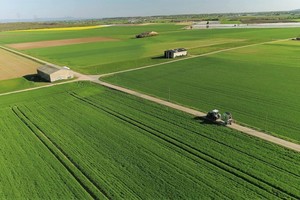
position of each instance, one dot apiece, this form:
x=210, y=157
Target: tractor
x=216, y=117
x=213, y=115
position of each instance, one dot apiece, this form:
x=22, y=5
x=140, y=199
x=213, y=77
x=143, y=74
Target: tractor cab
x=213, y=115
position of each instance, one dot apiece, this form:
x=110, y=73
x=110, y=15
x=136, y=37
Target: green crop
x=18, y=84
x=28, y=169
x=257, y=84
x=130, y=148
x=128, y=52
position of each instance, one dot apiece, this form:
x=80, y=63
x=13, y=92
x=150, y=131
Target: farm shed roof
x=48, y=69
x=177, y=50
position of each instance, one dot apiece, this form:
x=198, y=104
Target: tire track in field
x=95, y=79
x=256, y=181
x=97, y=178
x=102, y=108
x=83, y=179
x=95, y=100
x=113, y=194
x=240, y=128
x=210, y=138
x=105, y=109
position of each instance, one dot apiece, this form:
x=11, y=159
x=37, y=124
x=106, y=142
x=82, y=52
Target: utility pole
x=266, y=122
x=169, y=94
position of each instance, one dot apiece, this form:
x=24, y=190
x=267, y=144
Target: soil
x=55, y=43
x=14, y=66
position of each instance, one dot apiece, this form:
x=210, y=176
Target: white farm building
x=53, y=73
x=173, y=53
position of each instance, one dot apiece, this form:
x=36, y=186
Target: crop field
x=55, y=43
x=19, y=84
x=258, y=84
x=28, y=170
x=128, y=52
x=120, y=146
x=14, y=66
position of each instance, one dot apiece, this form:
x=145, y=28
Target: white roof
x=48, y=69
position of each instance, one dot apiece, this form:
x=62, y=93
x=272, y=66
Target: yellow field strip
x=64, y=29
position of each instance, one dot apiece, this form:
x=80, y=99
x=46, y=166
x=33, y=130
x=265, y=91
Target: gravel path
x=249, y=131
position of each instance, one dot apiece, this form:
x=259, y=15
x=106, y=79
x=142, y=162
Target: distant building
x=173, y=53
x=147, y=34
x=52, y=73
x=298, y=39
x=208, y=22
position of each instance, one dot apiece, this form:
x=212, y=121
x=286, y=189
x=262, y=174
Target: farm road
x=249, y=131
x=246, y=130
x=95, y=79
x=192, y=57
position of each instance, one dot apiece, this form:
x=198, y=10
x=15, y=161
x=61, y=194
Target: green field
x=18, y=84
x=258, y=84
x=104, y=57
x=28, y=170
x=131, y=148
x=229, y=21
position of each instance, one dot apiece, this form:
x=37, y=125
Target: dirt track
x=246, y=130
x=56, y=43
x=249, y=131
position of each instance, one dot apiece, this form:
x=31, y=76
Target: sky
x=31, y=9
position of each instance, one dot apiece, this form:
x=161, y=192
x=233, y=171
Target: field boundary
x=58, y=43
x=191, y=151
x=26, y=56
x=96, y=79
x=243, y=129
x=13, y=66
x=192, y=57
x=89, y=186
x=43, y=62
x=36, y=88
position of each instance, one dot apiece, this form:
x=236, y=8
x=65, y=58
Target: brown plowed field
x=55, y=43
x=14, y=66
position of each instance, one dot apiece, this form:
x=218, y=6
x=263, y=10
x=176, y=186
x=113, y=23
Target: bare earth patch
x=55, y=43
x=14, y=66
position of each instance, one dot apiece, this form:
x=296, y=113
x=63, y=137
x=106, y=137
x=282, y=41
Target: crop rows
x=28, y=169
x=104, y=57
x=190, y=150
x=131, y=148
x=257, y=84
x=82, y=179
x=179, y=141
